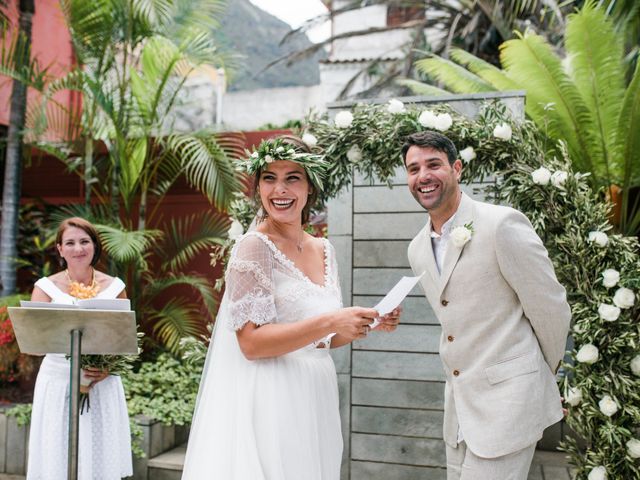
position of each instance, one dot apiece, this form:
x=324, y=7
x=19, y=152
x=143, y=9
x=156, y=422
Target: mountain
x=253, y=36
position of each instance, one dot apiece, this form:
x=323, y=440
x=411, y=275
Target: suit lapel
x=464, y=215
x=430, y=259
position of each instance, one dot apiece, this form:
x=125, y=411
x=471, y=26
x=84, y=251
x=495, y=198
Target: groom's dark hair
x=429, y=139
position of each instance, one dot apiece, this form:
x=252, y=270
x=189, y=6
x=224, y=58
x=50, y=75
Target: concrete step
x=168, y=465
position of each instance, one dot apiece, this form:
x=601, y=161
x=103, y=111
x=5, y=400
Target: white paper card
x=119, y=304
x=395, y=296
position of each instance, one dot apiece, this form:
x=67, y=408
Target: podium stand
x=74, y=332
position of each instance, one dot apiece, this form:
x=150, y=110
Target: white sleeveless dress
x=104, y=440
x=274, y=418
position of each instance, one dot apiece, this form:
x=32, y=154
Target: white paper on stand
x=119, y=304
x=395, y=296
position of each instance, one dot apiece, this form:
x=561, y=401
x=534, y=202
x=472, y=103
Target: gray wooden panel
x=384, y=199
x=393, y=365
x=406, y=338
x=372, y=253
x=387, y=226
x=397, y=421
x=16, y=447
x=397, y=393
x=339, y=210
x=394, y=449
x=399, y=178
x=392, y=471
x=414, y=309
x=376, y=281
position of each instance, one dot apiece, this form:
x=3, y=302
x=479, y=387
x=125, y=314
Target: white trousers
x=463, y=464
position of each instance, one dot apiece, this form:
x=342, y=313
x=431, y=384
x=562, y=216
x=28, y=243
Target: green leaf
x=131, y=165
x=177, y=319
x=420, y=88
x=456, y=78
x=126, y=246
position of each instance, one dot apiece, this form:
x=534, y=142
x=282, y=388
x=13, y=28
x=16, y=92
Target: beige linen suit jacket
x=505, y=320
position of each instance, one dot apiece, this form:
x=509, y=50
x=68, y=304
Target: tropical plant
x=14, y=366
x=582, y=98
x=17, y=54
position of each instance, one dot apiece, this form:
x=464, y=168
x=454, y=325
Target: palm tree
x=581, y=98
x=20, y=57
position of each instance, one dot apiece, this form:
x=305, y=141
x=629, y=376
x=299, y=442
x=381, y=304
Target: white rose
x=343, y=119
x=279, y=149
x=635, y=365
x=588, y=354
x=633, y=448
x=624, y=298
x=608, y=406
x=268, y=158
x=255, y=155
x=235, y=230
x=610, y=277
x=291, y=151
x=503, y=132
x=609, y=313
x=443, y=122
x=573, y=396
x=541, y=176
x=460, y=236
x=467, y=154
x=310, y=139
x=598, y=473
x=354, y=154
x=558, y=178
x=395, y=106
x=427, y=119
x=599, y=238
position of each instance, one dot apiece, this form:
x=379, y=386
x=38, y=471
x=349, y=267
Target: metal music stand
x=74, y=332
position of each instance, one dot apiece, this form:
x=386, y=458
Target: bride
x=267, y=407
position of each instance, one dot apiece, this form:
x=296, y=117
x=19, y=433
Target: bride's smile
x=284, y=189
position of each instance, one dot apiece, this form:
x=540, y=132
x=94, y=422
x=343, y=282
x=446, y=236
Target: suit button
x=444, y=303
x=450, y=338
x=456, y=373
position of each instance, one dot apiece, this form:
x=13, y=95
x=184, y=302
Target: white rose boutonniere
x=343, y=119
x=503, y=131
x=624, y=298
x=635, y=365
x=573, y=396
x=598, y=473
x=467, y=154
x=610, y=277
x=395, y=106
x=633, y=447
x=599, y=238
x=609, y=313
x=588, y=354
x=462, y=234
x=608, y=405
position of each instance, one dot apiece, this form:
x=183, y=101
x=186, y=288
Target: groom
x=504, y=318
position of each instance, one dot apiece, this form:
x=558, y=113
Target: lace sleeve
x=332, y=264
x=249, y=284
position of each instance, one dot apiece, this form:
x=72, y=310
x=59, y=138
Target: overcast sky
x=295, y=12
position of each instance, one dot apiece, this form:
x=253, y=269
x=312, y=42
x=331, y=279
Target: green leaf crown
x=271, y=150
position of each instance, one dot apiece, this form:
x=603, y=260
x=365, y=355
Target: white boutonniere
x=460, y=235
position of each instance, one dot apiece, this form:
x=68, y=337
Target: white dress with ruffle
x=104, y=451
x=274, y=418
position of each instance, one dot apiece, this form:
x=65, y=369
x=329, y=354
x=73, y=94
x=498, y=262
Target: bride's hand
x=390, y=321
x=353, y=322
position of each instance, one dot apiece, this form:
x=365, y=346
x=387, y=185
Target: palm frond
x=628, y=128
x=486, y=71
x=207, y=165
x=530, y=61
x=595, y=51
x=420, y=88
x=177, y=319
x=198, y=283
x=456, y=78
x=126, y=246
x=189, y=236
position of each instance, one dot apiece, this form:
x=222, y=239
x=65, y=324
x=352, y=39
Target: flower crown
x=272, y=150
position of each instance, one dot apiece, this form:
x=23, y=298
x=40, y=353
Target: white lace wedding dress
x=274, y=418
x=104, y=451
